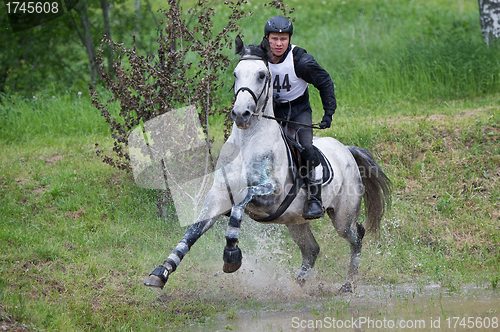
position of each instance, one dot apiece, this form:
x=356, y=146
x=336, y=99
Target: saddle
x=295, y=148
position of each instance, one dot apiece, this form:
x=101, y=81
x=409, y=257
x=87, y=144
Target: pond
x=380, y=308
x=267, y=276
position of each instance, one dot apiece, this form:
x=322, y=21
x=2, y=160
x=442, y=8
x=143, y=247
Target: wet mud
x=370, y=308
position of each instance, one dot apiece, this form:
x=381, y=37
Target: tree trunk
x=84, y=18
x=137, y=7
x=137, y=14
x=489, y=15
x=107, y=29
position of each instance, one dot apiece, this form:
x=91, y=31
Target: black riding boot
x=313, y=208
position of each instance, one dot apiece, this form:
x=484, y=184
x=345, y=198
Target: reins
x=298, y=181
x=314, y=126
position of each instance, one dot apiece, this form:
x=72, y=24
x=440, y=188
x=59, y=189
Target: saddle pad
x=327, y=168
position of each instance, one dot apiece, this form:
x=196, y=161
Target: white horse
x=253, y=176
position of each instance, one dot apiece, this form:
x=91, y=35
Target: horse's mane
x=256, y=51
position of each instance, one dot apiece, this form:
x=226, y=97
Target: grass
x=447, y=188
x=77, y=237
x=49, y=116
x=380, y=62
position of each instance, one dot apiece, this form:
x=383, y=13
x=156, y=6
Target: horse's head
x=252, y=82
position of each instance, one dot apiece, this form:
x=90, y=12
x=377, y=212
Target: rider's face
x=279, y=42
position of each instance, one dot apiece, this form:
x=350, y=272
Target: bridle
x=267, y=85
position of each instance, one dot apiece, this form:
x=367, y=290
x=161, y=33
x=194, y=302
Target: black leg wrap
x=171, y=263
x=232, y=256
x=157, y=278
x=234, y=222
x=161, y=272
x=361, y=233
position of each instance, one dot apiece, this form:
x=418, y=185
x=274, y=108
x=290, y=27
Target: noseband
x=267, y=85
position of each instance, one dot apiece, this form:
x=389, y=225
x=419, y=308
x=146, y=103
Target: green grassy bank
x=78, y=237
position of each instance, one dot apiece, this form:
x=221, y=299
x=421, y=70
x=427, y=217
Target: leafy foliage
x=51, y=57
x=148, y=86
x=26, y=65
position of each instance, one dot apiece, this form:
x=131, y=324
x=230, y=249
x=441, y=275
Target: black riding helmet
x=278, y=24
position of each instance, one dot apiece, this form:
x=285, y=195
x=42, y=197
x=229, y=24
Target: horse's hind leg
x=349, y=229
x=304, y=238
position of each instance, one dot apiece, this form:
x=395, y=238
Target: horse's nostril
x=247, y=114
x=233, y=114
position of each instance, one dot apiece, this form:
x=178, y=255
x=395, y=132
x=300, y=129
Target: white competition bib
x=286, y=85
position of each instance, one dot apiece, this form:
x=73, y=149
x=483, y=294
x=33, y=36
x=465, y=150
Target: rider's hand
x=326, y=122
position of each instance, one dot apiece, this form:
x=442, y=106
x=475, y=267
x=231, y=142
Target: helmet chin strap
x=276, y=56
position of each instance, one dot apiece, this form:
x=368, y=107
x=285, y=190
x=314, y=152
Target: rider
x=292, y=69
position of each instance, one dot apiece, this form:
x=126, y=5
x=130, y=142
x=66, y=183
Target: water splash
x=269, y=266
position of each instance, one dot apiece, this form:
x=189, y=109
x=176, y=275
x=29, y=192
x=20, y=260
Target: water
x=381, y=308
x=267, y=276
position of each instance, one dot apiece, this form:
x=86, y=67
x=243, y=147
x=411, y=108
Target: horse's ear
x=238, y=43
x=264, y=45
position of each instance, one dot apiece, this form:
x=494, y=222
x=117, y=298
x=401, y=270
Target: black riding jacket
x=310, y=71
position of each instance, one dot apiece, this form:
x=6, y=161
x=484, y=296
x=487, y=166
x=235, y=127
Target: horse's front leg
x=159, y=276
x=232, y=254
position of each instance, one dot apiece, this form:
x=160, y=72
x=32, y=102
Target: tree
x=105, y=14
x=489, y=15
x=87, y=41
x=61, y=53
x=33, y=60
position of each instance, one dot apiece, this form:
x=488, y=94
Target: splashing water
x=269, y=265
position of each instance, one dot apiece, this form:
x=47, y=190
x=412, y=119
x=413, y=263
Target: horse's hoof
x=154, y=281
x=157, y=278
x=300, y=280
x=346, y=289
x=231, y=267
x=232, y=259
x=301, y=276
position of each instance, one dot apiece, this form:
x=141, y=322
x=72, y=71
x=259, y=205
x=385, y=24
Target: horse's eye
x=234, y=73
x=262, y=75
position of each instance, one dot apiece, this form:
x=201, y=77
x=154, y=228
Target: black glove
x=326, y=122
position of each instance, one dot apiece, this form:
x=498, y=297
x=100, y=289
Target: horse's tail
x=377, y=185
